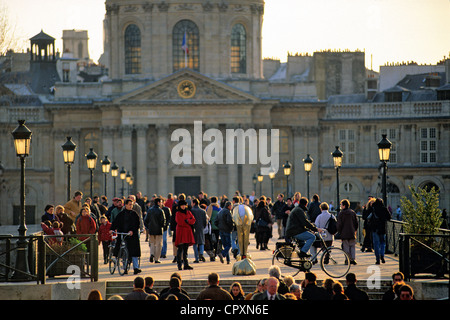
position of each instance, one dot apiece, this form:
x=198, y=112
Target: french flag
x=184, y=45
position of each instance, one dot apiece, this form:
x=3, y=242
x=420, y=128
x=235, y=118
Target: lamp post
x=384, y=150
x=287, y=172
x=91, y=159
x=337, y=160
x=271, y=176
x=69, y=148
x=123, y=175
x=128, y=178
x=308, y=162
x=106, y=166
x=114, y=173
x=254, y=180
x=260, y=180
x=22, y=143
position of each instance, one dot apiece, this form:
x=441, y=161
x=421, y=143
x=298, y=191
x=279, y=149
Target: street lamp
x=128, y=179
x=22, y=143
x=123, y=175
x=106, y=166
x=91, y=159
x=271, y=176
x=69, y=148
x=308, y=162
x=114, y=173
x=287, y=172
x=260, y=180
x=255, y=180
x=337, y=160
x=384, y=150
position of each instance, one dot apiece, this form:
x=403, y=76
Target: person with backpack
x=325, y=221
x=377, y=223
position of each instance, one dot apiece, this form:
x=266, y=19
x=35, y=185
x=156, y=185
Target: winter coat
x=278, y=209
x=103, y=232
x=185, y=220
x=379, y=217
x=224, y=221
x=86, y=225
x=298, y=222
x=155, y=220
x=347, y=224
x=126, y=221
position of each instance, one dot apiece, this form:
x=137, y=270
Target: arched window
x=186, y=46
x=238, y=49
x=132, y=49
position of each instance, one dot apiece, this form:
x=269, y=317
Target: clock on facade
x=186, y=89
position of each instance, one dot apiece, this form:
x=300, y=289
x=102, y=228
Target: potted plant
x=422, y=218
x=72, y=250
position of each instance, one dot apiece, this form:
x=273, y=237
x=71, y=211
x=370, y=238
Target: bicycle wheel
x=286, y=258
x=122, y=261
x=112, y=261
x=335, y=262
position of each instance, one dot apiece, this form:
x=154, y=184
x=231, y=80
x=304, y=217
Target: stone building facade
x=174, y=64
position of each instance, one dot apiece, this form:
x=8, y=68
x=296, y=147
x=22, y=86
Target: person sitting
x=299, y=227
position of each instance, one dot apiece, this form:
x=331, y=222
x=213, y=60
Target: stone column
x=141, y=163
x=162, y=158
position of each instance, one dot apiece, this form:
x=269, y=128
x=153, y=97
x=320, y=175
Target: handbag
x=262, y=223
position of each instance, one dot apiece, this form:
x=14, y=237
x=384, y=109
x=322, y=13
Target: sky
x=388, y=31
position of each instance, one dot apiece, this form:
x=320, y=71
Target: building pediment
x=186, y=87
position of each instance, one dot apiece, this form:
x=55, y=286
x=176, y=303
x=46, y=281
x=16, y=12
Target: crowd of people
x=272, y=287
x=206, y=224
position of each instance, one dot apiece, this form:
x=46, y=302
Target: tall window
x=347, y=145
x=186, y=46
x=428, y=145
x=132, y=49
x=238, y=49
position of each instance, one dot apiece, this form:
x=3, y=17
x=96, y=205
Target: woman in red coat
x=184, y=235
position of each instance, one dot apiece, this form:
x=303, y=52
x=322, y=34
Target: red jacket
x=184, y=233
x=85, y=225
x=103, y=232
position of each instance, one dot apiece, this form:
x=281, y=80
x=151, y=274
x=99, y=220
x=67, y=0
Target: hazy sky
x=387, y=30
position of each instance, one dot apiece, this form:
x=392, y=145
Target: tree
x=8, y=39
x=421, y=214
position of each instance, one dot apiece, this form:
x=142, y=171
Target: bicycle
x=121, y=260
x=334, y=261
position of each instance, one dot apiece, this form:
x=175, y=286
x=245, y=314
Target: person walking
x=104, y=236
x=154, y=222
x=127, y=221
x=224, y=222
x=367, y=210
x=185, y=237
x=377, y=224
x=201, y=220
x=279, y=212
x=347, y=224
x=263, y=224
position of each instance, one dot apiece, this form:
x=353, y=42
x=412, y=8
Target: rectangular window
x=428, y=145
x=347, y=144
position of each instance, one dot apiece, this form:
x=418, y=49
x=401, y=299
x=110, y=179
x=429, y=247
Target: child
x=57, y=231
x=104, y=236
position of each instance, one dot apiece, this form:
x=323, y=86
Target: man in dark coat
x=127, y=221
x=200, y=224
x=175, y=289
x=353, y=292
x=214, y=291
x=154, y=222
x=312, y=291
x=224, y=222
x=299, y=227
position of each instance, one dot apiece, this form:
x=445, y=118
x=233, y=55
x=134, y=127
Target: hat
x=182, y=202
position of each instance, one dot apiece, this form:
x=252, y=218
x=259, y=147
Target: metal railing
x=47, y=257
x=424, y=254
